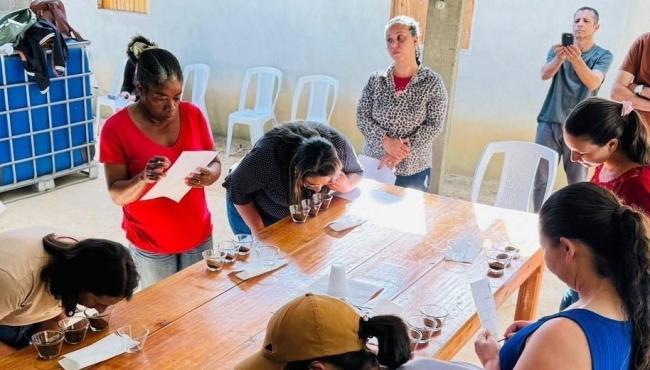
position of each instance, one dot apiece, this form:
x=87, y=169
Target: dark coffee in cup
x=49, y=350
x=496, y=269
x=97, y=323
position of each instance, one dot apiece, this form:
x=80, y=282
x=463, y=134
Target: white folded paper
x=338, y=283
x=385, y=306
x=464, y=248
x=346, y=222
x=351, y=195
x=173, y=186
x=371, y=170
x=485, y=305
x=358, y=292
x=254, y=270
x=99, y=351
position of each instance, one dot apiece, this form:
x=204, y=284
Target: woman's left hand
x=203, y=176
x=487, y=349
x=341, y=184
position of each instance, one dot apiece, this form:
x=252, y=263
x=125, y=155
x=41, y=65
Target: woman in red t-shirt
x=137, y=145
x=611, y=136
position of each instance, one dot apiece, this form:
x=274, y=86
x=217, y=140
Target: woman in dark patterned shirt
x=403, y=108
x=287, y=164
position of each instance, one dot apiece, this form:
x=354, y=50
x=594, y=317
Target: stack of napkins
x=99, y=351
x=252, y=270
x=346, y=222
x=465, y=248
x=358, y=292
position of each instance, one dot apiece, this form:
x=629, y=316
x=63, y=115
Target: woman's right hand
x=515, y=327
x=155, y=169
x=396, y=147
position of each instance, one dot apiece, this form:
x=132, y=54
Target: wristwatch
x=638, y=89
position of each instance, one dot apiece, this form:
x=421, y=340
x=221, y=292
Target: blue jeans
x=237, y=223
x=417, y=181
x=154, y=267
x=570, y=297
x=17, y=336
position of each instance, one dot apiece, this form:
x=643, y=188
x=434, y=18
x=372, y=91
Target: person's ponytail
x=635, y=138
x=394, y=348
x=631, y=276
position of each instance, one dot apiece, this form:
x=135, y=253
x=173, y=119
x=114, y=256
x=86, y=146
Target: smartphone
x=567, y=39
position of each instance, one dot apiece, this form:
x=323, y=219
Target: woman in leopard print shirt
x=403, y=108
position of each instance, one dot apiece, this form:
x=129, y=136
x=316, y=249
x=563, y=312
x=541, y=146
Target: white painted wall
x=343, y=39
x=498, y=95
x=499, y=90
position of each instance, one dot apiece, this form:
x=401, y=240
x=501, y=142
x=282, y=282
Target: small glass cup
x=98, y=320
x=74, y=329
x=418, y=322
x=244, y=243
x=48, y=343
x=134, y=337
x=315, y=202
x=268, y=254
x=434, y=317
x=214, y=259
x=415, y=337
x=327, y=200
x=299, y=212
x=497, y=262
x=230, y=250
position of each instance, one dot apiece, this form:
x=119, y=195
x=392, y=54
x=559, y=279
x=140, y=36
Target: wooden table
x=200, y=319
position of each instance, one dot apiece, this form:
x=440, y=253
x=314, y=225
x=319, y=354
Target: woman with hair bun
x=44, y=275
x=138, y=144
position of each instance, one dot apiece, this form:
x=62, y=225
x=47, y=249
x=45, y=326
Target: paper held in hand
x=173, y=186
x=485, y=305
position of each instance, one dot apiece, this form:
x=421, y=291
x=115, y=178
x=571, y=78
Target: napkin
x=253, y=270
x=346, y=222
x=465, y=248
x=99, y=351
x=358, y=292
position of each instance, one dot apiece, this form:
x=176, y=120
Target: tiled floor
x=85, y=207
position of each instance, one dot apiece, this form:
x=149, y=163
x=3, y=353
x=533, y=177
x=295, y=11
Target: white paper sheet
x=173, y=185
x=485, y=306
x=2, y=207
x=464, y=248
x=359, y=292
x=253, y=270
x=99, y=351
x=370, y=170
x=351, y=195
x=346, y=222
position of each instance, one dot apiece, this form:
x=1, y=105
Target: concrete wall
x=339, y=38
x=499, y=91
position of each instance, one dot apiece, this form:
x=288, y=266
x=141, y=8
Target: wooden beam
x=442, y=43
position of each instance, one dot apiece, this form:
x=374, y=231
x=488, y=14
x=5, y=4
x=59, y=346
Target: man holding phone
x=578, y=67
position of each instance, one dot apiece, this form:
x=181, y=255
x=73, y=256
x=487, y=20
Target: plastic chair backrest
x=517, y=174
x=118, y=75
x=201, y=75
x=266, y=94
x=319, y=108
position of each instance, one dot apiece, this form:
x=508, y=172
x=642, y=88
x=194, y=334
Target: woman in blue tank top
x=601, y=249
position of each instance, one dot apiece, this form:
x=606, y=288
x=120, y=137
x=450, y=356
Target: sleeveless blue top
x=610, y=341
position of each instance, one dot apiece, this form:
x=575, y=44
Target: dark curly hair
x=98, y=266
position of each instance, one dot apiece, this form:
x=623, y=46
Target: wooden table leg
x=529, y=295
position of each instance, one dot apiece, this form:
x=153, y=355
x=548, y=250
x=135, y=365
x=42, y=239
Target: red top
x=159, y=225
x=632, y=187
x=401, y=82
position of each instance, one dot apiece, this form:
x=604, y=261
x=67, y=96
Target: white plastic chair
x=200, y=73
x=111, y=100
x=268, y=81
x=319, y=108
x=517, y=174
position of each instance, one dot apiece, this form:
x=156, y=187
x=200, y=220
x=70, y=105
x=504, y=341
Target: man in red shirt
x=633, y=82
